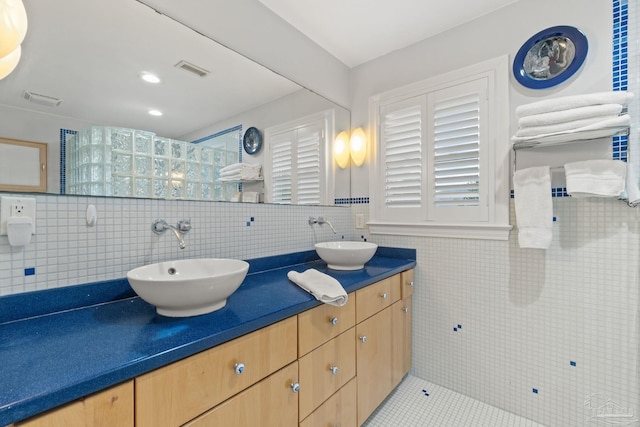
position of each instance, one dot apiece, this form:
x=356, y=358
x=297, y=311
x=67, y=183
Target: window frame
x=497, y=226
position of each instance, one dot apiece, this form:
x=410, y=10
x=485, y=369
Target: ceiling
x=357, y=31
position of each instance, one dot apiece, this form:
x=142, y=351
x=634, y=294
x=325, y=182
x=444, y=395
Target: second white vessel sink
x=346, y=255
x=188, y=287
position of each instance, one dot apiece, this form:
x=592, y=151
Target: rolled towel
x=608, y=127
x=596, y=178
x=559, y=127
x=322, y=286
x=574, y=101
x=550, y=118
x=534, y=210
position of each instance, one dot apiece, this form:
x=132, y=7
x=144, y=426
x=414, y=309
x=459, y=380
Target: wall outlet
x=16, y=206
x=359, y=220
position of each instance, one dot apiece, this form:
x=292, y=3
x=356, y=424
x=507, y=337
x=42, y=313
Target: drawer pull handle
x=334, y=370
x=405, y=309
x=363, y=338
x=239, y=368
x=411, y=283
x=295, y=387
x=383, y=296
x=334, y=321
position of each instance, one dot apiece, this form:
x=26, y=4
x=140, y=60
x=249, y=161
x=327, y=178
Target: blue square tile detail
x=30, y=271
x=248, y=223
x=572, y=363
x=535, y=391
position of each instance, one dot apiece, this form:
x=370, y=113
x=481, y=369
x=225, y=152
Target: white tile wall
x=67, y=252
x=563, y=321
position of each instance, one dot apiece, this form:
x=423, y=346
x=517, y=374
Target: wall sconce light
x=358, y=146
x=13, y=28
x=341, y=149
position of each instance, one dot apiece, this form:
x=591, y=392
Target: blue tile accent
x=572, y=363
x=620, y=66
x=425, y=392
x=253, y=219
x=455, y=329
x=64, y=135
x=351, y=201
x=30, y=271
x=459, y=326
x=248, y=223
x=535, y=390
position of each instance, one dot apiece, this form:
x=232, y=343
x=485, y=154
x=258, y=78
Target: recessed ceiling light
x=149, y=78
x=155, y=112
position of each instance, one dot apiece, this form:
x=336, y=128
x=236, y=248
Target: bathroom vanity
x=316, y=365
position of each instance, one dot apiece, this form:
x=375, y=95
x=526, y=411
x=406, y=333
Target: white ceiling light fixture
x=149, y=77
x=13, y=28
x=156, y=113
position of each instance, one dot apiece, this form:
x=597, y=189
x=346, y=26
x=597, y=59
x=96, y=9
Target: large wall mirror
x=81, y=68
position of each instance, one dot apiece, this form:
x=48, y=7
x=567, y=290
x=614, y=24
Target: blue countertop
x=59, y=345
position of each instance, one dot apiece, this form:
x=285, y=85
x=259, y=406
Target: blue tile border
x=64, y=134
x=620, y=66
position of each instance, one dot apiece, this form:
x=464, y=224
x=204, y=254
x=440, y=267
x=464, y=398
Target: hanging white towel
x=534, y=210
x=550, y=118
x=322, y=286
x=574, y=101
x=596, y=178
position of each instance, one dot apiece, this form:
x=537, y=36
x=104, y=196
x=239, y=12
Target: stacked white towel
x=241, y=172
x=534, y=210
x=572, y=118
x=596, y=178
x=322, y=286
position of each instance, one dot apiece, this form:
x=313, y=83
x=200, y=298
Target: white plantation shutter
x=458, y=152
x=402, y=139
x=308, y=165
x=295, y=174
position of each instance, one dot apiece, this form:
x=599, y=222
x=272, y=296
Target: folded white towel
x=574, y=101
x=550, y=118
x=610, y=126
x=240, y=166
x=596, y=178
x=322, y=286
x=534, y=210
x=559, y=127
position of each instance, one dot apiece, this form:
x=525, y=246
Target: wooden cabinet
x=401, y=340
x=177, y=393
x=376, y=297
x=338, y=410
x=324, y=322
x=272, y=402
x=108, y=408
x=406, y=280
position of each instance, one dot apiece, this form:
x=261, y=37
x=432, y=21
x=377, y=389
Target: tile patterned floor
x=417, y=402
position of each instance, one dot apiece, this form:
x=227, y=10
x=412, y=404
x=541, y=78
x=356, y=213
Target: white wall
x=561, y=321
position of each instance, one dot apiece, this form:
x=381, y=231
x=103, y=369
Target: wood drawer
x=177, y=393
x=317, y=381
x=320, y=324
x=377, y=297
x=111, y=407
x=407, y=283
x=338, y=410
x=270, y=403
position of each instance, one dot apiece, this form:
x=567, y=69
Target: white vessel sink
x=188, y=287
x=346, y=255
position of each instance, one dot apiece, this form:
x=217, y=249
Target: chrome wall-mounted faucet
x=321, y=220
x=159, y=226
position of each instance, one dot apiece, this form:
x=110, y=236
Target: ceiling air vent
x=37, y=98
x=187, y=66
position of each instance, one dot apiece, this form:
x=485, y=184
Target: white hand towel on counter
x=574, y=101
x=595, y=178
x=551, y=118
x=322, y=286
x=534, y=210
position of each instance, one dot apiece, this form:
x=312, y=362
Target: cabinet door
x=177, y=393
x=407, y=283
x=373, y=353
x=377, y=297
x=325, y=370
x=401, y=348
x=338, y=410
x=318, y=325
x=270, y=403
x=112, y=407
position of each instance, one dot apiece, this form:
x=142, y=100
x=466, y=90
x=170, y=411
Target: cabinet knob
x=334, y=321
x=239, y=368
x=410, y=283
x=405, y=309
x=334, y=370
x=295, y=387
x=383, y=296
x=363, y=338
